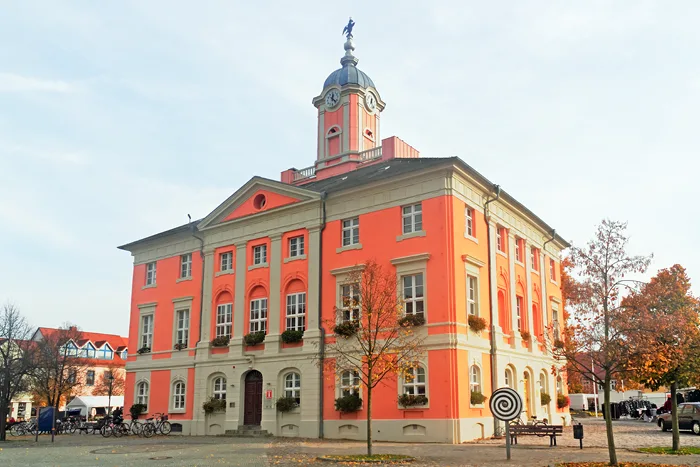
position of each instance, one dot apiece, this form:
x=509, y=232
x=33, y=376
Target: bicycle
x=534, y=422
x=160, y=423
x=114, y=428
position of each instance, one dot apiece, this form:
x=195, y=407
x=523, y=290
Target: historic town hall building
x=276, y=256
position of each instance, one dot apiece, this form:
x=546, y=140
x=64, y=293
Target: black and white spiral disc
x=506, y=404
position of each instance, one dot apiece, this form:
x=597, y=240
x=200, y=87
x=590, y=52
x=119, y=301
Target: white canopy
x=87, y=403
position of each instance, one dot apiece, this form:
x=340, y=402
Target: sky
x=117, y=119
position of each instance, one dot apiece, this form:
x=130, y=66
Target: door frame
x=248, y=379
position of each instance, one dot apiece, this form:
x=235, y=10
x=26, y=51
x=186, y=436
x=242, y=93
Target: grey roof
x=349, y=74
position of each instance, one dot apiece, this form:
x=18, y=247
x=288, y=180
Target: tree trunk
x=369, y=420
x=3, y=415
x=608, y=421
x=674, y=417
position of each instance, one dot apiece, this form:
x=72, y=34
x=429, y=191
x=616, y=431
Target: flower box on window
x=254, y=338
x=290, y=336
x=180, y=346
x=562, y=401
x=545, y=398
x=136, y=410
x=214, y=405
x=346, y=328
x=221, y=341
x=476, y=323
x=143, y=350
x=349, y=403
x=477, y=398
x=411, y=400
x=286, y=404
x=525, y=335
x=412, y=320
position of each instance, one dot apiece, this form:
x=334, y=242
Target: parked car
x=688, y=418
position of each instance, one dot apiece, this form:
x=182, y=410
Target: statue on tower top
x=347, y=30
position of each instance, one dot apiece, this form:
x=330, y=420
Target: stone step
x=248, y=432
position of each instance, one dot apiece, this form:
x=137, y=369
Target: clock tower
x=348, y=116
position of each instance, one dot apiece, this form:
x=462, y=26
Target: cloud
x=11, y=82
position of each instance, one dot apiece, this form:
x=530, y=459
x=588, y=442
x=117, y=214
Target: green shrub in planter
x=562, y=401
x=476, y=323
x=477, y=398
x=346, y=328
x=349, y=403
x=412, y=320
x=136, y=410
x=221, y=341
x=526, y=336
x=214, y=405
x=545, y=398
x=254, y=338
x=143, y=350
x=289, y=336
x=410, y=400
x=286, y=404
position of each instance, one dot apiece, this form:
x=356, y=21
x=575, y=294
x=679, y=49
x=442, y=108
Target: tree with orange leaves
x=667, y=342
x=374, y=333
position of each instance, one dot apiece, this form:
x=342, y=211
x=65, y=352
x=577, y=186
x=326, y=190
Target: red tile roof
x=114, y=340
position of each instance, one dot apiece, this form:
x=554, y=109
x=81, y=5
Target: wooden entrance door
x=252, y=414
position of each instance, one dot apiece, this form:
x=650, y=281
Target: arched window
x=543, y=382
x=179, y=396
x=475, y=379
x=509, y=379
x=560, y=388
x=292, y=386
x=414, y=381
x=142, y=393
x=219, y=388
x=349, y=383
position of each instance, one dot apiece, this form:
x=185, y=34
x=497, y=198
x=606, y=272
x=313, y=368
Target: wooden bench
x=536, y=430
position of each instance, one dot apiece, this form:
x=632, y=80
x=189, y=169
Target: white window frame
x=186, y=266
x=296, y=246
x=475, y=379
x=88, y=373
x=518, y=251
x=534, y=259
x=146, y=331
x=552, y=270
x=555, y=323
x=469, y=221
x=350, y=383
x=350, y=311
x=259, y=254
x=226, y=261
x=500, y=237
x=472, y=295
x=350, y=234
x=412, y=218
x=224, y=319
x=151, y=269
x=417, y=293
x=258, y=315
x=218, y=388
x=179, y=395
x=292, y=386
x=519, y=304
x=412, y=383
x=182, y=326
x=508, y=378
x=142, y=393
x=296, y=311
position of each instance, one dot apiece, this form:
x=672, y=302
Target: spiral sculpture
x=506, y=404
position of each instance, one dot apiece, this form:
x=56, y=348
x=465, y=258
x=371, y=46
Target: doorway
x=252, y=403
x=528, y=395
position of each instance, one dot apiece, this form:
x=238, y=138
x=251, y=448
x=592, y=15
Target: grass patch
x=620, y=464
x=684, y=451
x=374, y=459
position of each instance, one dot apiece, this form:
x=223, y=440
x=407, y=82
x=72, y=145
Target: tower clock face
x=332, y=98
x=370, y=102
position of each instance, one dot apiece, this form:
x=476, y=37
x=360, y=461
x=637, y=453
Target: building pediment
x=256, y=197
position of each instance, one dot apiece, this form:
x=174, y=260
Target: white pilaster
x=528, y=282
x=208, y=271
x=513, y=300
x=239, y=305
x=274, y=307
x=493, y=281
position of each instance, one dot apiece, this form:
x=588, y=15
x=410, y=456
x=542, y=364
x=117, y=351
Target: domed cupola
x=348, y=111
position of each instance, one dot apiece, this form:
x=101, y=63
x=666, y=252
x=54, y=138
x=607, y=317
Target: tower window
x=259, y=201
x=333, y=131
x=369, y=133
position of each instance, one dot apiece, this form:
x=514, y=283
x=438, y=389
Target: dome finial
x=349, y=59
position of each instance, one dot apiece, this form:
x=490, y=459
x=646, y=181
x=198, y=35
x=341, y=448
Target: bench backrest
x=548, y=429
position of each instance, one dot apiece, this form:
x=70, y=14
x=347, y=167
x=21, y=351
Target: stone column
x=205, y=323
x=274, y=308
x=313, y=304
x=513, y=301
x=239, y=308
x=528, y=282
x=493, y=281
x=543, y=289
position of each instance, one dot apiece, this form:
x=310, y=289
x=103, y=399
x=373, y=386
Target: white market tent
x=87, y=403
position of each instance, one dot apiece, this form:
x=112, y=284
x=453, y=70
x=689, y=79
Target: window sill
x=294, y=258
x=177, y=410
x=535, y=271
x=223, y=273
x=519, y=263
x=258, y=266
x=419, y=233
x=149, y=286
x=473, y=239
x=414, y=407
x=499, y=252
x=356, y=246
x=183, y=279
x=477, y=406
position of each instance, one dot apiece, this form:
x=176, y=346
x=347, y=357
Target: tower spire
x=349, y=59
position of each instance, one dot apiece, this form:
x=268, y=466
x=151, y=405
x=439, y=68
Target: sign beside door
x=269, y=398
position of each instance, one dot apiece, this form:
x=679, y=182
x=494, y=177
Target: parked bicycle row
x=108, y=426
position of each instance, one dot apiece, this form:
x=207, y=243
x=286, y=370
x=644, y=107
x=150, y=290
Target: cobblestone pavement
x=175, y=451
